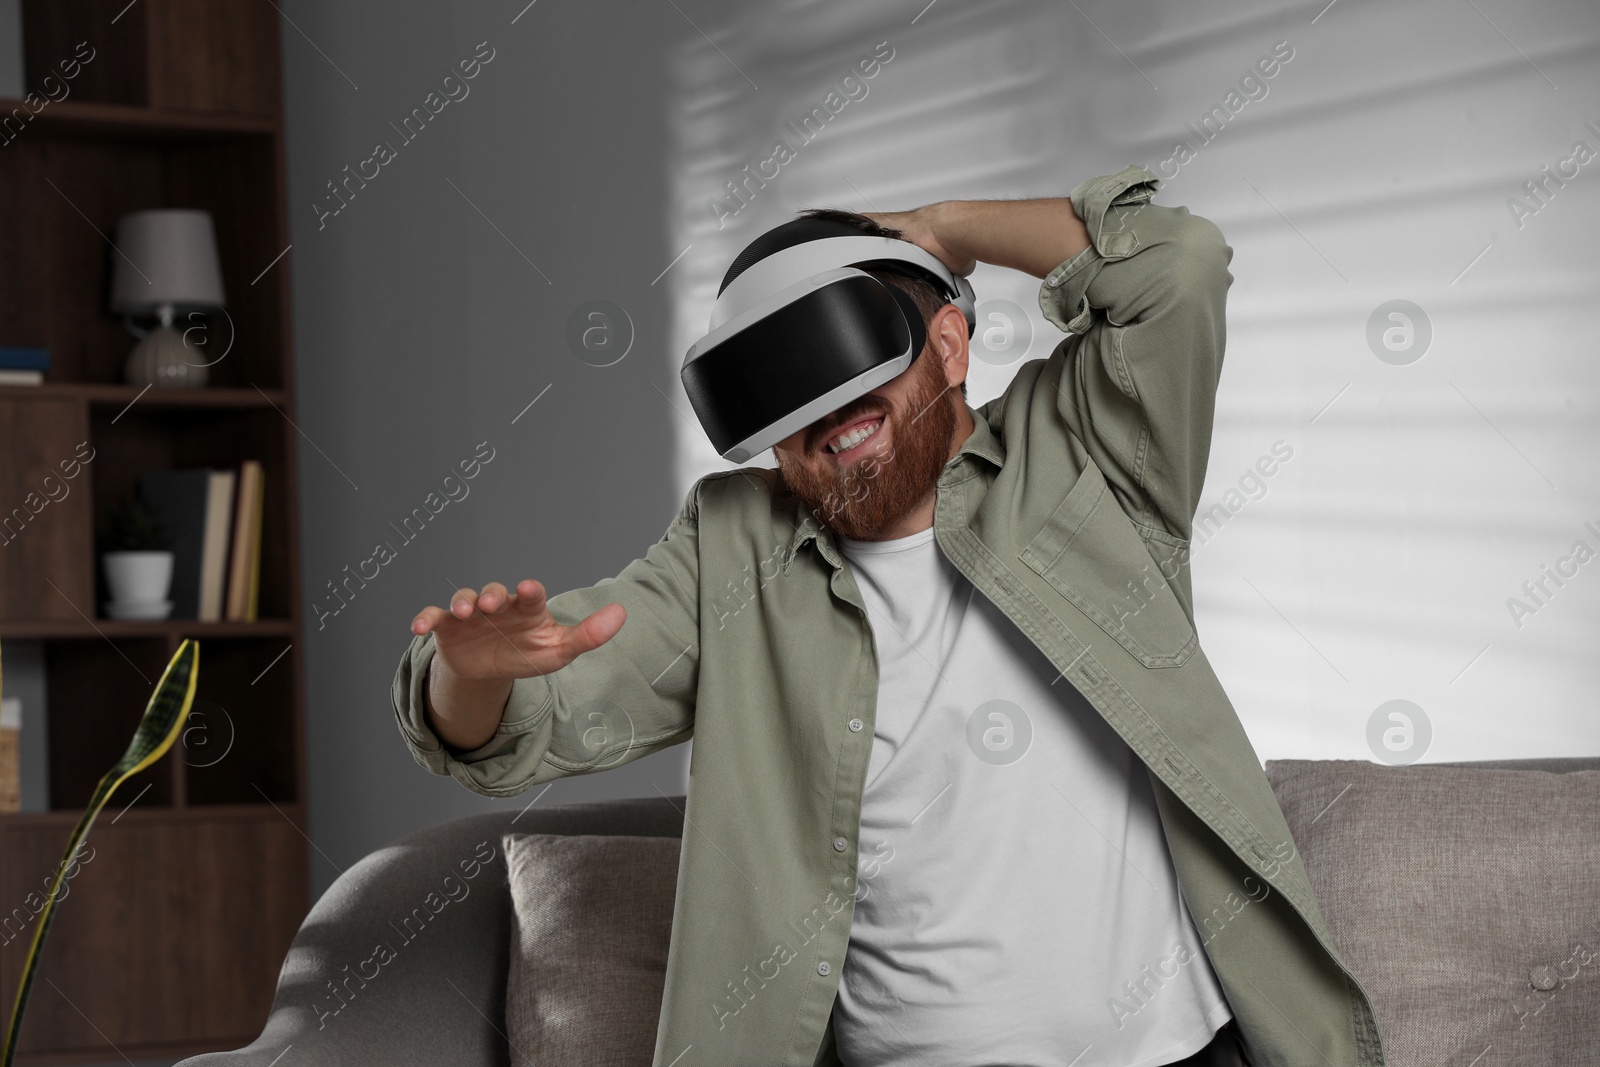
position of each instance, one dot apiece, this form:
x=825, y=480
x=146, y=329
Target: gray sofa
x=439, y=999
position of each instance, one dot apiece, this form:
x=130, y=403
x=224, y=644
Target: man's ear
x=947, y=333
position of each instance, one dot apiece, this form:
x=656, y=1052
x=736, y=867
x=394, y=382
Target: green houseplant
x=138, y=562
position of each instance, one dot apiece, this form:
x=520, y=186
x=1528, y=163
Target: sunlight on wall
x=1412, y=196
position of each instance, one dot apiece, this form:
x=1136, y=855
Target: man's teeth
x=854, y=437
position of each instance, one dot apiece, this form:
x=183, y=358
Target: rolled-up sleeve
x=632, y=696
x=1146, y=303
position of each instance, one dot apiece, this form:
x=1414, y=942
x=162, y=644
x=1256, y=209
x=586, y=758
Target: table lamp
x=165, y=265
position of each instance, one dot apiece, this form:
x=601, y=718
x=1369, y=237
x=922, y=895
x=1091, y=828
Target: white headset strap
x=789, y=266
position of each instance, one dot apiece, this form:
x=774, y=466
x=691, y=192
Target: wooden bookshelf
x=171, y=936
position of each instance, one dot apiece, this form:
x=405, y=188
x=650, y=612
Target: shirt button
x=823, y=968
x=840, y=844
x=855, y=725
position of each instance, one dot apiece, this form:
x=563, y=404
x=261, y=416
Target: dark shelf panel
x=71, y=118
x=154, y=628
x=147, y=813
x=109, y=394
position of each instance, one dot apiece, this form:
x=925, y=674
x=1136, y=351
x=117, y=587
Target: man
x=964, y=789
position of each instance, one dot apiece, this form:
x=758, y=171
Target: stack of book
x=213, y=522
x=23, y=366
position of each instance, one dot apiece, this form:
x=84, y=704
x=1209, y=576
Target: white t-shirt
x=1014, y=884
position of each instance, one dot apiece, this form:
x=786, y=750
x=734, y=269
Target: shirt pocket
x=1091, y=553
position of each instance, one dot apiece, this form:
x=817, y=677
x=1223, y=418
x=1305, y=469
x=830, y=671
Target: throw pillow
x=1466, y=900
x=592, y=919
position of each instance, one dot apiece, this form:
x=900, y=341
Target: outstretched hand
x=498, y=635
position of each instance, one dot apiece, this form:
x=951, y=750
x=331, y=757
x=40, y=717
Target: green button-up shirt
x=1070, y=507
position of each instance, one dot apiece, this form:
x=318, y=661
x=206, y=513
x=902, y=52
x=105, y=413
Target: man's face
x=863, y=490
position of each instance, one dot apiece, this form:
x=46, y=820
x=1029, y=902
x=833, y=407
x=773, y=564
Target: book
x=181, y=499
x=252, y=601
x=10, y=754
x=244, y=564
x=21, y=377
x=214, y=545
x=24, y=358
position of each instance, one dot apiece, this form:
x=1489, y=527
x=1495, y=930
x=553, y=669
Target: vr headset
x=800, y=328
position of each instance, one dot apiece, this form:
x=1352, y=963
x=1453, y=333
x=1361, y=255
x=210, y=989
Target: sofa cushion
x=1466, y=900
x=592, y=919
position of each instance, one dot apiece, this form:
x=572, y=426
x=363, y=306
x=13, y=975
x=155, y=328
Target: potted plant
x=138, y=562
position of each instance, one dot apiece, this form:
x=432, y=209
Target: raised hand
x=918, y=227
x=497, y=635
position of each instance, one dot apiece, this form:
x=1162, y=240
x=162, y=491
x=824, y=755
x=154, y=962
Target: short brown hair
x=927, y=298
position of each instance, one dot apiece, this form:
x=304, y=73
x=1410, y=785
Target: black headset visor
x=816, y=343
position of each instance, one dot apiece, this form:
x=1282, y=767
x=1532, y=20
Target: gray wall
x=425, y=323
x=1378, y=165
x=11, y=82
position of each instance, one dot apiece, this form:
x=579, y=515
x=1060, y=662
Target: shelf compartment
x=97, y=695
x=148, y=943
x=55, y=258
x=239, y=745
x=147, y=439
x=163, y=54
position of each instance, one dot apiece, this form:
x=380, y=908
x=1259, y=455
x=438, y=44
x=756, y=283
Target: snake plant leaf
x=163, y=719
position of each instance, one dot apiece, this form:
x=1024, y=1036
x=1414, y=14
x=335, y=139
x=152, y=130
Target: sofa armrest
x=404, y=958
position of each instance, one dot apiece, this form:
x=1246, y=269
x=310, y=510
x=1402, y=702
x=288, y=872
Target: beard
x=862, y=498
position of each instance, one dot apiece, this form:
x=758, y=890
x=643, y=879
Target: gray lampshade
x=166, y=256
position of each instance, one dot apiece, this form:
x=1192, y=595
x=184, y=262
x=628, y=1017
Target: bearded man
x=964, y=789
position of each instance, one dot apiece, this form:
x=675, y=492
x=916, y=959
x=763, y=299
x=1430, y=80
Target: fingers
x=594, y=631
x=893, y=220
x=493, y=598
x=428, y=619
x=529, y=599
x=464, y=602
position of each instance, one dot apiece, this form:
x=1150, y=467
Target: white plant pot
x=139, y=577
